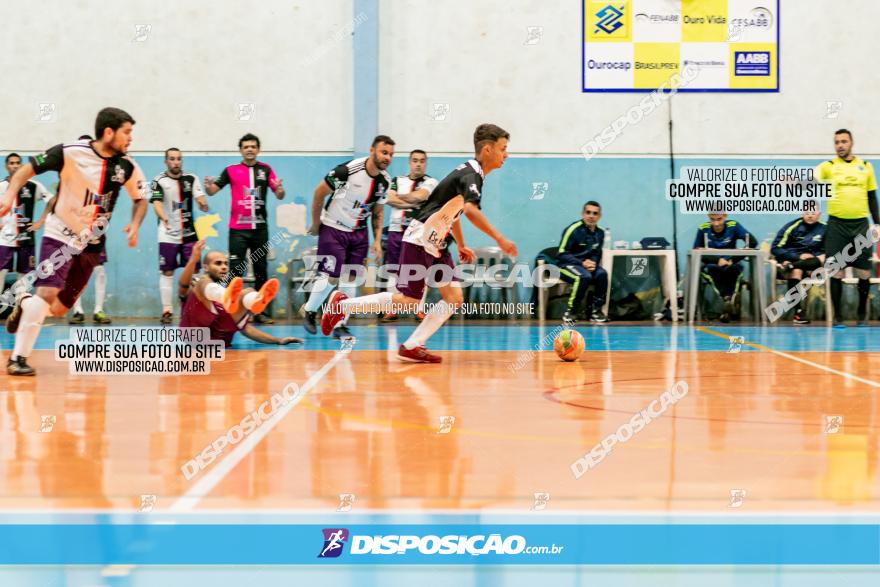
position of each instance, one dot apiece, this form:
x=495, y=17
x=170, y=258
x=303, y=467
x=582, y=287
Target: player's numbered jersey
x=89, y=185
x=176, y=195
x=431, y=223
x=355, y=192
x=404, y=185
x=14, y=226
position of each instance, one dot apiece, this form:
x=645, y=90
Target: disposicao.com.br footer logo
x=335, y=540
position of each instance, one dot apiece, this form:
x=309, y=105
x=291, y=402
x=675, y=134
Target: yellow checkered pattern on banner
x=608, y=22
x=704, y=21
x=654, y=63
x=753, y=54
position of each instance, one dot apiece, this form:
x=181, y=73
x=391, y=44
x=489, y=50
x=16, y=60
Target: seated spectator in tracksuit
x=724, y=274
x=578, y=258
x=799, y=248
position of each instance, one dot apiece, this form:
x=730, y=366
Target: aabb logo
x=334, y=540
x=751, y=63
x=762, y=57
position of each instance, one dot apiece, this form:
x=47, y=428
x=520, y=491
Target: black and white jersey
x=355, y=192
x=465, y=180
x=176, y=195
x=14, y=226
x=405, y=185
x=88, y=188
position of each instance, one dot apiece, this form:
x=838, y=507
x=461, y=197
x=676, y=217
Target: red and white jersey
x=89, y=186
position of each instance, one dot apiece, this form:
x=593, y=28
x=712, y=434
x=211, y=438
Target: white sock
x=371, y=304
x=350, y=290
x=422, y=302
x=249, y=299
x=166, y=285
x=214, y=292
x=78, y=305
x=33, y=311
x=438, y=315
x=392, y=283
x=100, y=288
x=3, y=273
x=321, y=288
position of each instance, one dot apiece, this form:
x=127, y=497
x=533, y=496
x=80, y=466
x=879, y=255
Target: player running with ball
x=425, y=245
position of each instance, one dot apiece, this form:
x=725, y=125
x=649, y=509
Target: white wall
x=183, y=83
x=473, y=56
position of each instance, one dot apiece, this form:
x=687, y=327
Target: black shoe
x=77, y=318
x=800, y=318
x=263, y=319
x=310, y=322
x=15, y=316
x=736, y=306
x=728, y=306
x=166, y=318
x=598, y=316
x=19, y=367
x=569, y=317
x=342, y=332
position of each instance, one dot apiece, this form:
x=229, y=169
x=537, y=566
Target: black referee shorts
x=840, y=234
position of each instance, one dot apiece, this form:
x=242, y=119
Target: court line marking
x=216, y=474
x=762, y=347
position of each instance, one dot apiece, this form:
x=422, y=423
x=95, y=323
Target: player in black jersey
x=425, y=246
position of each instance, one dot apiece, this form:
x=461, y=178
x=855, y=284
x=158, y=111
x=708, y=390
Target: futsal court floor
x=788, y=421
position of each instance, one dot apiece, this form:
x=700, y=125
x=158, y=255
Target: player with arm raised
x=425, y=245
x=226, y=310
x=91, y=175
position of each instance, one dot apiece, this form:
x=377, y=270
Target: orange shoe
x=231, y=295
x=266, y=295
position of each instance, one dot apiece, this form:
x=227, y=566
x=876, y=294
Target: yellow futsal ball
x=569, y=344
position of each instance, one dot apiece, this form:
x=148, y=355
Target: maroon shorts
x=175, y=255
x=415, y=256
x=71, y=277
x=344, y=248
x=22, y=256
x=195, y=314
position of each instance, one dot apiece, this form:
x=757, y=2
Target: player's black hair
x=85, y=138
x=382, y=139
x=414, y=151
x=11, y=155
x=843, y=131
x=249, y=137
x=488, y=133
x=168, y=150
x=591, y=203
x=111, y=118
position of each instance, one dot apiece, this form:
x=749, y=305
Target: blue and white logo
x=609, y=19
x=334, y=540
x=751, y=63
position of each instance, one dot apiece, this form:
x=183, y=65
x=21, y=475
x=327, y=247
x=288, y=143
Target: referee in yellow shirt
x=854, y=195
